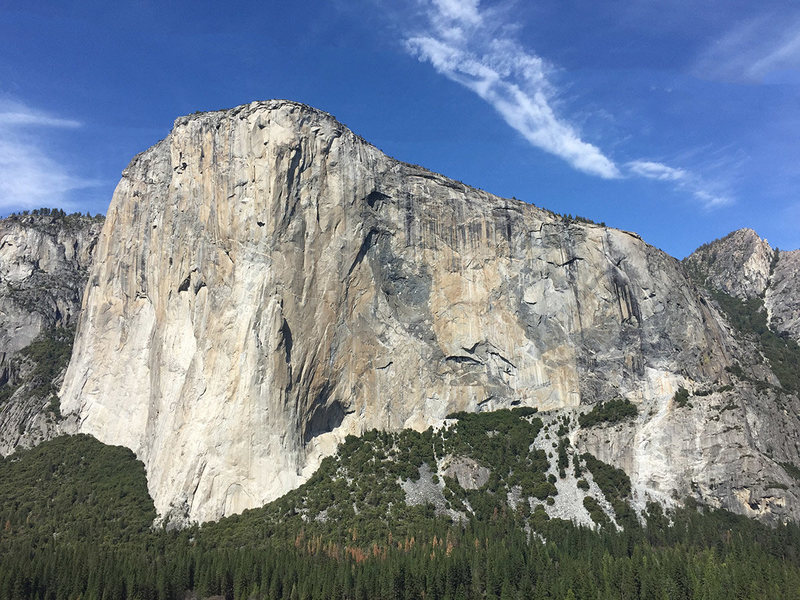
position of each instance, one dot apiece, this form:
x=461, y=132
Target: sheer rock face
x=725, y=449
x=44, y=262
x=782, y=296
x=745, y=266
x=267, y=282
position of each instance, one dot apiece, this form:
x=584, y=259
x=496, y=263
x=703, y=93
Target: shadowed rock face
x=267, y=282
x=44, y=262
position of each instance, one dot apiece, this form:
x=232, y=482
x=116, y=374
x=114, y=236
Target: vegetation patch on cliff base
x=681, y=397
x=76, y=517
x=361, y=486
x=612, y=411
x=616, y=486
x=39, y=364
x=749, y=317
x=73, y=488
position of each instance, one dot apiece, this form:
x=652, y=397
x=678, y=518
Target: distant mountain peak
x=744, y=265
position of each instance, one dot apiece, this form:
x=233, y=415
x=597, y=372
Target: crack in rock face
x=266, y=283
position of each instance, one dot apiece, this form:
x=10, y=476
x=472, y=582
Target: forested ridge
x=77, y=524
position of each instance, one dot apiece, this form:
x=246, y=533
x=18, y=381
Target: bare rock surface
x=469, y=474
x=782, y=297
x=44, y=263
x=745, y=266
x=425, y=491
x=267, y=282
x=738, y=264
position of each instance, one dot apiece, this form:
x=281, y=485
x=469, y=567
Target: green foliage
x=360, y=491
x=791, y=469
x=612, y=411
x=596, y=512
x=101, y=488
x=563, y=457
x=614, y=482
x=524, y=411
x=51, y=352
x=616, y=486
x=502, y=441
x=750, y=318
x=576, y=466
x=568, y=218
x=681, y=397
x=6, y=391
x=57, y=215
x=76, y=527
x=48, y=354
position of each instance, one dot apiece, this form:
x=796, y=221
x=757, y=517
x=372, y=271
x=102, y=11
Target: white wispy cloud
x=29, y=176
x=656, y=170
x=711, y=200
x=477, y=48
x=762, y=50
x=465, y=11
x=683, y=179
x=474, y=48
x=11, y=118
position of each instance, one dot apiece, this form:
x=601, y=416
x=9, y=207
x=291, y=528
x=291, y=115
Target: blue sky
x=679, y=120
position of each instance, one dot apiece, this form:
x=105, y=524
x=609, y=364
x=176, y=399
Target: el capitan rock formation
x=267, y=282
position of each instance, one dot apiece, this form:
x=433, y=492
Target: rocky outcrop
x=738, y=264
x=782, y=296
x=745, y=266
x=267, y=282
x=469, y=474
x=44, y=262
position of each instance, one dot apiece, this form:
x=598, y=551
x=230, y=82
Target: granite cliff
x=267, y=282
x=44, y=263
x=745, y=266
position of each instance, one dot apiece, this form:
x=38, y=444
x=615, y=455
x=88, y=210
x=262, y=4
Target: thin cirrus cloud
x=682, y=178
x=765, y=49
x=460, y=41
x=476, y=49
x=29, y=176
x=656, y=170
